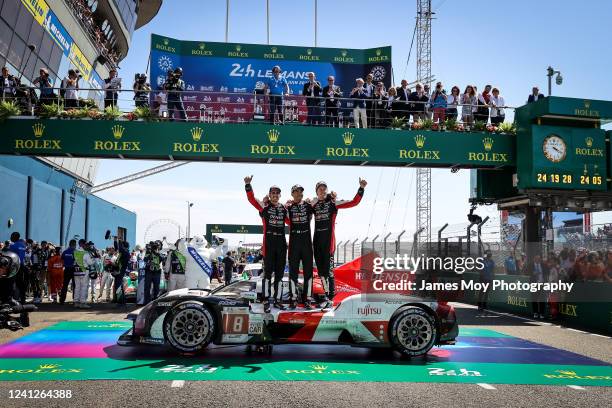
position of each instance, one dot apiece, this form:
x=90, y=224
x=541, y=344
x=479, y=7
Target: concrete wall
x=39, y=201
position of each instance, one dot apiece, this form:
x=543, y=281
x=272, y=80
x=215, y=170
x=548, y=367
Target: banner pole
x=226, y=20
x=315, y=21
x=268, y=20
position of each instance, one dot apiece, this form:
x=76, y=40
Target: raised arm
x=250, y=195
x=357, y=199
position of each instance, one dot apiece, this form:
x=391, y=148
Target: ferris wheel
x=163, y=229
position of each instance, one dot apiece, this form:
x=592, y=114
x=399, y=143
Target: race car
x=191, y=319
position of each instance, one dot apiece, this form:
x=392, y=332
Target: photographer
x=111, y=85
x=8, y=84
x=142, y=90
x=40, y=256
x=93, y=265
x=70, y=89
x=9, y=267
x=46, y=88
x=123, y=259
x=152, y=271
x=175, y=87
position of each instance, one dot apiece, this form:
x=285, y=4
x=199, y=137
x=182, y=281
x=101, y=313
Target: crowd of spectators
x=84, y=14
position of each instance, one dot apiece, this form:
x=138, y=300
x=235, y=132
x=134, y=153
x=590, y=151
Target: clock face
x=554, y=148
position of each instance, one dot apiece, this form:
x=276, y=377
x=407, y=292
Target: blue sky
x=508, y=44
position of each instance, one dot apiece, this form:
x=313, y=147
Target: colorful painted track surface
x=87, y=351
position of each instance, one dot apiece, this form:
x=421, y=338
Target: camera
x=78, y=73
x=140, y=79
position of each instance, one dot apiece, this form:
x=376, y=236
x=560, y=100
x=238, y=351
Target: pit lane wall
x=571, y=308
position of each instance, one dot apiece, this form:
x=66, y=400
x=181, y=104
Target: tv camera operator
x=9, y=266
x=142, y=90
x=175, y=87
x=152, y=262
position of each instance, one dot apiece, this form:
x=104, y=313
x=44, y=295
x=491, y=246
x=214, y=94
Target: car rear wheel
x=189, y=327
x=413, y=331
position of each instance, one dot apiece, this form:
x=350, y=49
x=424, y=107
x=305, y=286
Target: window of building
x=10, y=10
x=56, y=57
x=16, y=50
x=36, y=35
x=24, y=23
x=46, y=47
x=5, y=38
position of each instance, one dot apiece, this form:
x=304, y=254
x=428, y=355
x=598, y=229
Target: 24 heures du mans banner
x=254, y=143
x=223, y=69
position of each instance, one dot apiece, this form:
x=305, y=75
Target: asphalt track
x=497, y=343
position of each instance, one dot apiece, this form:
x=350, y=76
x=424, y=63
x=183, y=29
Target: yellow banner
x=38, y=8
x=79, y=61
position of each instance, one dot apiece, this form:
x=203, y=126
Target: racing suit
x=300, y=247
x=274, y=246
x=81, y=278
x=324, y=241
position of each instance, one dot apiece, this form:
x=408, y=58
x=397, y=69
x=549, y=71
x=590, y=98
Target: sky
x=508, y=44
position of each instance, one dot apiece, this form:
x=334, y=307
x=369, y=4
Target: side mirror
x=250, y=296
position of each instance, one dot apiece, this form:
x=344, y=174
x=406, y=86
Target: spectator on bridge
x=497, y=103
x=482, y=108
x=312, y=92
x=331, y=93
x=70, y=89
x=392, y=107
x=418, y=99
x=276, y=87
x=175, y=87
x=468, y=102
x=359, y=96
x=452, y=101
x=403, y=94
x=438, y=103
x=380, y=103
x=9, y=85
x=369, y=88
x=111, y=84
x=535, y=95
x=43, y=81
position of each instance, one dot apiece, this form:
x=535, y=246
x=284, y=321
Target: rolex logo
x=318, y=367
x=344, y=52
x=238, y=47
x=38, y=129
x=587, y=104
x=196, y=134
x=166, y=41
x=274, y=50
x=348, y=137
x=48, y=366
x=118, y=131
x=588, y=141
x=566, y=372
x=309, y=51
x=378, y=52
x=273, y=135
x=487, y=142
x=419, y=140
x=202, y=46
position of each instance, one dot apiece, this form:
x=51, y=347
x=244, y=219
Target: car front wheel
x=413, y=331
x=189, y=327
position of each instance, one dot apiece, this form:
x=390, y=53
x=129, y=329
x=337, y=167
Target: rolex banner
x=229, y=73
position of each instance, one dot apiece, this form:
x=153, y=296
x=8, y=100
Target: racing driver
x=300, y=245
x=274, y=249
x=325, y=208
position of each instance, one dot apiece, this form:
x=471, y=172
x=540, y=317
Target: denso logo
x=369, y=310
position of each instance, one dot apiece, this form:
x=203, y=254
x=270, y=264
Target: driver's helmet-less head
x=9, y=264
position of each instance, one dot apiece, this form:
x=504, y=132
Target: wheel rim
x=414, y=332
x=190, y=327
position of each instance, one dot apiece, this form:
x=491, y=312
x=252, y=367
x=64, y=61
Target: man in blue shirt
x=69, y=265
x=276, y=87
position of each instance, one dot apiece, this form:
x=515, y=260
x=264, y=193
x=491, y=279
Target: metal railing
x=246, y=107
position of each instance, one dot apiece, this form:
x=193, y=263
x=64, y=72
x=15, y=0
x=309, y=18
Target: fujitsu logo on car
x=369, y=310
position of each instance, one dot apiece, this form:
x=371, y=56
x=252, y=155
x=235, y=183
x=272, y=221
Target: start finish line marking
x=486, y=386
x=178, y=384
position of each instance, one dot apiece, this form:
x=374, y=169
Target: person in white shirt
x=107, y=277
x=70, y=87
x=497, y=103
x=452, y=101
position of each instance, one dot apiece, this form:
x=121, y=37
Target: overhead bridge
x=255, y=143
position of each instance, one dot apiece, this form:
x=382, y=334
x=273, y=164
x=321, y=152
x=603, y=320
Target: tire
x=413, y=331
x=189, y=327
